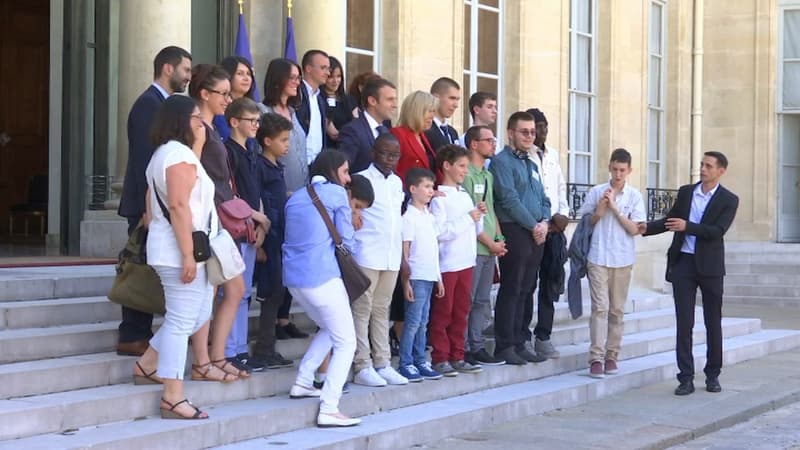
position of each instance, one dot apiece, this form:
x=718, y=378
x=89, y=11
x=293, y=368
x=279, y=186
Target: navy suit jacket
x=304, y=112
x=437, y=139
x=709, y=249
x=356, y=141
x=140, y=150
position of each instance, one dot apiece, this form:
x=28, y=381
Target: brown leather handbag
x=355, y=281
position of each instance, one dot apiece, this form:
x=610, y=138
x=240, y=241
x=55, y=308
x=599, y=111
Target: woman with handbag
x=176, y=179
x=211, y=88
x=321, y=291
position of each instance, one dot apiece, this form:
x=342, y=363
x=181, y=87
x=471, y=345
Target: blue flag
x=289, y=51
x=243, y=49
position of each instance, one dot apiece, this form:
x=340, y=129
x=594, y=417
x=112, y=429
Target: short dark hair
x=327, y=164
x=620, y=155
x=271, y=126
x=474, y=132
x=278, y=73
x=450, y=153
x=171, y=55
x=372, y=87
x=360, y=188
x=519, y=116
x=231, y=63
x=172, y=121
x=722, y=160
x=478, y=99
x=240, y=106
x=416, y=175
x=309, y=55
x=205, y=76
x=442, y=84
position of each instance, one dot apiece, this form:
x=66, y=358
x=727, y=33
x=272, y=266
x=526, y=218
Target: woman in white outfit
x=311, y=273
x=176, y=176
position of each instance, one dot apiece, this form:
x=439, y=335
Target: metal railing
x=659, y=201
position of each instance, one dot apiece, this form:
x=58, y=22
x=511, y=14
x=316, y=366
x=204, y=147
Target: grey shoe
x=445, y=369
x=528, y=355
x=465, y=367
x=546, y=349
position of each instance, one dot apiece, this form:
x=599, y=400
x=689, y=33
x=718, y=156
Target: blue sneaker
x=410, y=372
x=427, y=372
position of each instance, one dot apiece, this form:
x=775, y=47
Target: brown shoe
x=135, y=348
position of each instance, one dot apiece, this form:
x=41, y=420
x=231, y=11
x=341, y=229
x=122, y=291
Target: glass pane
x=653, y=172
x=492, y=3
x=582, y=20
x=654, y=82
x=488, y=32
x=653, y=126
x=357, y=64
x=791, y=34
x=466, y=88
x=583, y=64
x=360, y=24
x=467, y=36
x=791, y=85
x=655, y=28
x=582, y=169
x=582, y=125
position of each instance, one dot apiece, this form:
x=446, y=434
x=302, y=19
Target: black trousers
x=518, y=269
x=546, y=305
x=685, y=281
x=135, y=325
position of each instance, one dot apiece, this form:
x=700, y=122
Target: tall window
x=655, y=96
x=361, y=44
x=582, y=91
x=483, y=43
x=790, y=61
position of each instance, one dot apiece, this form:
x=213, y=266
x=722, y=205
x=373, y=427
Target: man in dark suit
x=357, y=137
x=700, y=217
x=172, y=71
x=316, y=69
x=441, y=133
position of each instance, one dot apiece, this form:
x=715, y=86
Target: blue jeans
x=415, y=327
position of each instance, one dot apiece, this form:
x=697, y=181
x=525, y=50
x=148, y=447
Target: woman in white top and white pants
x=177, y=177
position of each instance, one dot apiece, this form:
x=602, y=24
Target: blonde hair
x=414, y=108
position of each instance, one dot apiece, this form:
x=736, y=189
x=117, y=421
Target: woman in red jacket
x=416, y=116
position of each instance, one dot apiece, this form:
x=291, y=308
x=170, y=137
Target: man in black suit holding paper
x=172, y=71
x=700, y=217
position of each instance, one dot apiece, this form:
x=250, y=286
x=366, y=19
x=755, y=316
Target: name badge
x=480, y=189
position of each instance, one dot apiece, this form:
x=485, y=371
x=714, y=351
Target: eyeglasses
x=387, y=155
x=224, y=94
x=294, y=78
x=253, y=121
x=526, y=133
x=491, y=139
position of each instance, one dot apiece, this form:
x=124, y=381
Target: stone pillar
x=146, y=26
x=315, y=30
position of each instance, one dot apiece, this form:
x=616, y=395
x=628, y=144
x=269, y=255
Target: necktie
x=381, y=129
x=446, y=133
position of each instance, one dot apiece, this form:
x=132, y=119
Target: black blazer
x=140, y=150
x=437, y=139
x=304, y=111
x=709, y=252
x=356, y=141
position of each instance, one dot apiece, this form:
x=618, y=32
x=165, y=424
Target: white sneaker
x=368, y=377
x=391, y=376
x=298, y=391
x=336, y=420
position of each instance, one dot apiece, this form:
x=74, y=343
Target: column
x=319, y=24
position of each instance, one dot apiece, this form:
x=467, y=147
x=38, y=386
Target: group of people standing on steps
x=431, y=216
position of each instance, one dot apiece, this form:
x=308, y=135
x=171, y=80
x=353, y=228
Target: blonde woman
x=416, y=116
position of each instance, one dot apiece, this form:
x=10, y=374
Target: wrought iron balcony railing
x=659, y=201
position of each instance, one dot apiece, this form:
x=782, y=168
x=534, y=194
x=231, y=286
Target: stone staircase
x=62, y=386
x=763, y=274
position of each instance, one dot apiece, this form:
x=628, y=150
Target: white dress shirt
x=552, y=178
x=314, y=137
x=611, y=245
x=379, y=243
x=419, y=228
x=458, y=244
x=161, y=90
x=373, y=124
x=698, y=208
x=441, y=123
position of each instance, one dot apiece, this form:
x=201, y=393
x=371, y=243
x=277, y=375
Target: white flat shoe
x=336, y=420
x=298, y=391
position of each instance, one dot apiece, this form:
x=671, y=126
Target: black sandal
x=241, y=373
x=202, y=375
x=146, y=378
x=172, y=414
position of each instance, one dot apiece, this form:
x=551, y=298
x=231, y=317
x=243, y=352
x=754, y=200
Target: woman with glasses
x=242, y=78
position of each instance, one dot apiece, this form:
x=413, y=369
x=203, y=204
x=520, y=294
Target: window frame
x=376, y=39
x=659, y=109
x=574, y=93
x=471, y=66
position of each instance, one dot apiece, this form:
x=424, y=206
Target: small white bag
x=226, y=262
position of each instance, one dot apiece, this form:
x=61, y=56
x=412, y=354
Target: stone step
x=791, y=256
x=395, y=416
x=765, y=290
x=774, y=269
x=59, y=412
x=67, y=373
x=783, y=302
x=788, y=279
x=35, y=283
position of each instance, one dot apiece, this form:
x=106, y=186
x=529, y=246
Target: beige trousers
x=608, y=287
x=371, y=320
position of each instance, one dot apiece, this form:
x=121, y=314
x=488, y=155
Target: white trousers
x=188, y=308
x=329, y=307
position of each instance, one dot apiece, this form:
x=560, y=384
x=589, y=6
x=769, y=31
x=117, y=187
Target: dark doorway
x=24, y=80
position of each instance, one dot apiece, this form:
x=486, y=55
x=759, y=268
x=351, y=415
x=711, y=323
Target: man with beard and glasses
x=172, y=71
